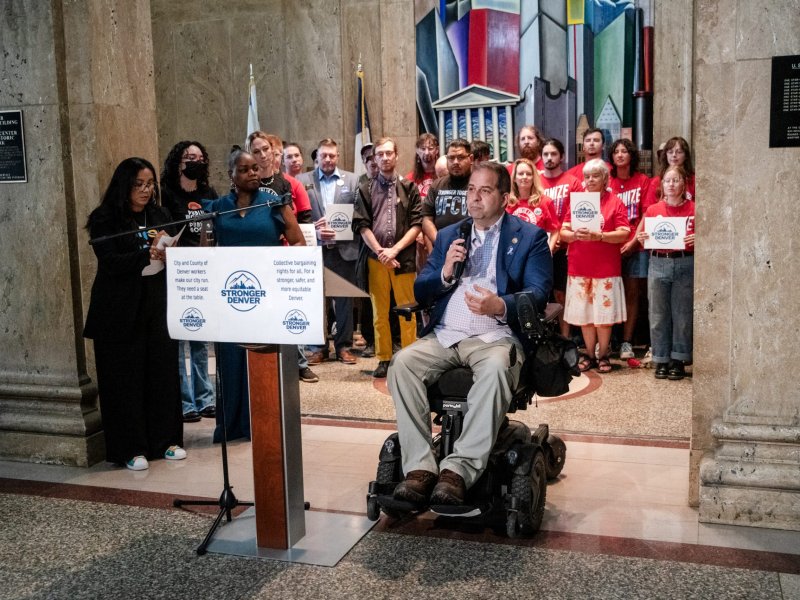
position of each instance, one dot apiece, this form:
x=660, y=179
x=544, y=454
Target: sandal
x=604, y=365
x=585, y=363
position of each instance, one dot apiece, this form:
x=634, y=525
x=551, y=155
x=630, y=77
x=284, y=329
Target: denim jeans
x=670, y=289
x=196, y=390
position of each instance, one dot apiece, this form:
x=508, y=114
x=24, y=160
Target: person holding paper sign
x=247, y=227
x=329, y=187
x=676, y=153
x=140, y=399
x=595, y=298
x=670, y=281
x=184, y=182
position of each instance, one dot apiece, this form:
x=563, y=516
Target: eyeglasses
x=143, y=185
x=481, y=191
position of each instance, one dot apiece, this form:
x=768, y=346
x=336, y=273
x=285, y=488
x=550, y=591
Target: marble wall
x=85, y=86
x=304, y=57
x=746, y=413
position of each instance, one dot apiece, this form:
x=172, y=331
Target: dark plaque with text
x=12, y=148
x=784, y=118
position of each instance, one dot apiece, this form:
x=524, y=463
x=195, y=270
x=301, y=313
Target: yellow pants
x=382, y=280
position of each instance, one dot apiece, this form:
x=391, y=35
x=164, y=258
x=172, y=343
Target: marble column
x=672, y=70
x=746, y=409
x=82, y=74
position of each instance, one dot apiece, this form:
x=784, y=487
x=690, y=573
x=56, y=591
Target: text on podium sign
x=253, y=295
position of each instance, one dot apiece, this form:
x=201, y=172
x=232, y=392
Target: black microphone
x=464, y=232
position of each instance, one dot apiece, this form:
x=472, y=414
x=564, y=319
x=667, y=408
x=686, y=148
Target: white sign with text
x=585, y=210
x=340, y=219
x=666, y=233
x=251, y=295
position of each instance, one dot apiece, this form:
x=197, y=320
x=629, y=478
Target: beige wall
x=85, y=86
x=304, y=57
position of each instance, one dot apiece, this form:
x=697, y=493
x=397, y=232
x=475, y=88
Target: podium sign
x=252, y=295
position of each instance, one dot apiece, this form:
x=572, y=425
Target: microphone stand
x=227, y=500
x=273, y=200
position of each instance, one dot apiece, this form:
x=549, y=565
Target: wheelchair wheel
x=531, y=490
x=555, y=451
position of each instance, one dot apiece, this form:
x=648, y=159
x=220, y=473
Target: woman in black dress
x=137, y=380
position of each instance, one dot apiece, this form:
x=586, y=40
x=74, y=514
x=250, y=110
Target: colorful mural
x=485, y=68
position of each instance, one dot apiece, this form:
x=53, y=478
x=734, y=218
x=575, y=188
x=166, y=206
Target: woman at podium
x=261, y=220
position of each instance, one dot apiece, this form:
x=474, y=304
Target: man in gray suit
x=327, y=185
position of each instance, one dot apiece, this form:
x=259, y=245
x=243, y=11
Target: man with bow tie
x=473, y=324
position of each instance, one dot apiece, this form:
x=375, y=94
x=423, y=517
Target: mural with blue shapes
x=485, y=68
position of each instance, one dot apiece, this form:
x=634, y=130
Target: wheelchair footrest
x=391, y=503
x=453, y=510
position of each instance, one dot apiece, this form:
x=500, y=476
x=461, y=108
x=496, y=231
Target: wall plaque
x=12, y=148
x=784, y=118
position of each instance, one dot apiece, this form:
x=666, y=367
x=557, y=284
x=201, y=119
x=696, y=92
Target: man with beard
x=446, y=202
x=387, y=216
x=529, y=143
x=558, y=185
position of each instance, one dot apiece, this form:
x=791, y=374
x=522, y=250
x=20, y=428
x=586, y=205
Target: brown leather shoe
x=450, y=489
x=416, y=487
x=316, y=358
x=346, y=357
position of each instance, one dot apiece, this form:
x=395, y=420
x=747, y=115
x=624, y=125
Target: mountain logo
x=295, y=321
x=192, y=319
x=243, y=291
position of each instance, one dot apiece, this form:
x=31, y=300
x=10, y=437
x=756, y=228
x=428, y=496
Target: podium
x=278, y=526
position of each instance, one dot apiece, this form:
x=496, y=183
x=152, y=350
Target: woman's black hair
x=632, y=150
x=233, y=157
x=171, y=175
x=116, y=201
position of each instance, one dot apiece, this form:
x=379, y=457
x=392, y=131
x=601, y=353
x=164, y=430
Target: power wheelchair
x=514, y=484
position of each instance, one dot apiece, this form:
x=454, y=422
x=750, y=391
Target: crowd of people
x=599, y=274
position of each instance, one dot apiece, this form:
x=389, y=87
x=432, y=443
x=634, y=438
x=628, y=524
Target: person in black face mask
x=184, y=183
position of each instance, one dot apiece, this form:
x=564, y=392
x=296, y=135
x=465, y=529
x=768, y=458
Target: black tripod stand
x=227, y=501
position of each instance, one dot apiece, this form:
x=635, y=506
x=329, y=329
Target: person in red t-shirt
x=558, y=185
x=423, y=174
x=670, y=282
x=676, y=153
x=529, y=143
x=595, y=297
x=424, y=171
x=631, y=187
x=593, y=141
x=528, y=202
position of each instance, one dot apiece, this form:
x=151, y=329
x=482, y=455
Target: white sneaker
x=626, y=350
x=137, y=463
x=647, y=360
x=175, y=453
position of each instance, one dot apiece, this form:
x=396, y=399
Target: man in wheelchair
x=469, y=284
